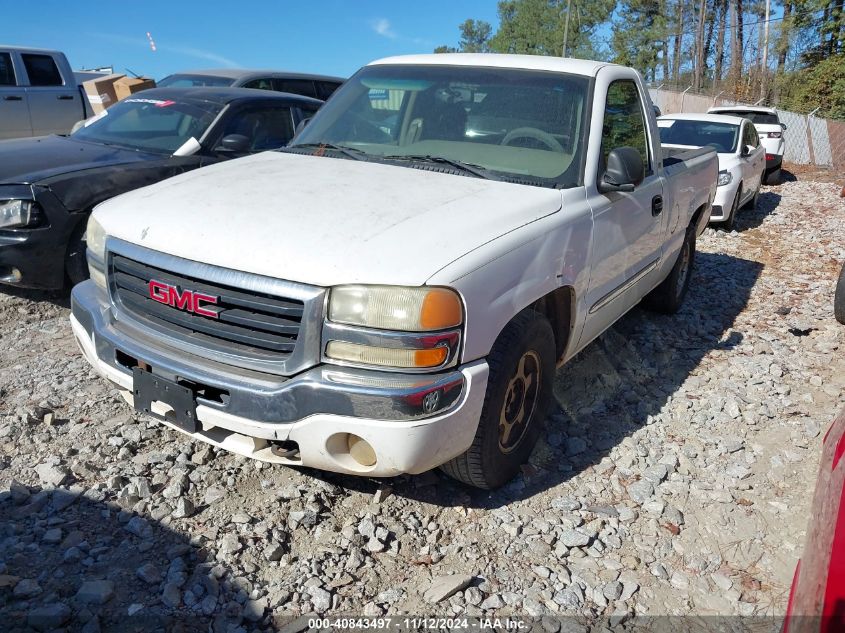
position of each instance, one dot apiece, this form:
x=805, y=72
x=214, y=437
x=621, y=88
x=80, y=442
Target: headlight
x=396, y=308
x=17, y=213
x=95, y=235
x=393, y=327
x=724, y=178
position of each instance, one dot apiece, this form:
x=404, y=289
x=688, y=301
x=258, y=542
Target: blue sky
x=326, y=36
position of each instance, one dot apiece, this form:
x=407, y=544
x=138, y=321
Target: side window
x=325, y=89
x=266, y=127
x=624, y=123
x=303, y=87
x=7, y=73
x=753, y=139
x=265, y=83
x=42, y=70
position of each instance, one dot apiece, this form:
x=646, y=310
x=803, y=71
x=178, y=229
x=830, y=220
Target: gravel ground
x=674, y=478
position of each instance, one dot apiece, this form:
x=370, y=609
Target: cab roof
x=584, y=67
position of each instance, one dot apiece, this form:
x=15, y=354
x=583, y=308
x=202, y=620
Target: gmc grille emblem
x=187, y=300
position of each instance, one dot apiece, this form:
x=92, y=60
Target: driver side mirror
x=783, y=126
x=233, y=144
x=744, y=151
x=624, y=171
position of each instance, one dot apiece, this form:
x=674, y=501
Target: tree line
x=790, y=53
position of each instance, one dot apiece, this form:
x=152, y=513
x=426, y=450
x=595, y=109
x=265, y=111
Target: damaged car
x=49, y=185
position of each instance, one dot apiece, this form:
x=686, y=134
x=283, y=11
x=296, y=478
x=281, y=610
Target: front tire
x=730, y=222
x=669, y=296
x=519, y=390
x=839, y=298
x=76, y=263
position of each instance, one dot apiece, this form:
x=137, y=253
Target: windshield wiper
x=351, y=152
x=470, y=168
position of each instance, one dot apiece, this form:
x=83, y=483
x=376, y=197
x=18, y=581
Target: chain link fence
x=808, y=139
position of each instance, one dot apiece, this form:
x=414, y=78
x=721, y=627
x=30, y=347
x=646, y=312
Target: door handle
x=65, y=97
x=12, y=98
x=656, y=205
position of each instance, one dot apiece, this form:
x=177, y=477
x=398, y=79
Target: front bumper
x=722, y=202
x=412, y=422
x=35, y=257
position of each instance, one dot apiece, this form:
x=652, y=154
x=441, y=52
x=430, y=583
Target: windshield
x=765, y=118
x=194, y=81
x=158, y=125
x=512, y=123
x=722, y=136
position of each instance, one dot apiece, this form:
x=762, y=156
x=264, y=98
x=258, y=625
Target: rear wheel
x=773, y=177
x=669, y=296
x=839, y=299
x=519, y=390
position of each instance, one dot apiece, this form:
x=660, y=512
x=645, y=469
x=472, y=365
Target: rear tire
x=839, y=299
x=669, y=296
x=76, y=263
x=519, y=391
x=773, y=177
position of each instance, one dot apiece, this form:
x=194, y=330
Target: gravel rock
x=95, y=592
x=445, y=587
x=48, y=617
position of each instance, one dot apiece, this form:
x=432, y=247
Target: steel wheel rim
x=520, y=401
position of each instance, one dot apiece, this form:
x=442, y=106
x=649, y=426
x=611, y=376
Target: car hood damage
x=323, y=221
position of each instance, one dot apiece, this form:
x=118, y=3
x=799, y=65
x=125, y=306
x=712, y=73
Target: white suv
x=770, y=130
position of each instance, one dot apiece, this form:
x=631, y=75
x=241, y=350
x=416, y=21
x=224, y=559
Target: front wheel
x=669, y=295
x=839, y=299
x=519, y=390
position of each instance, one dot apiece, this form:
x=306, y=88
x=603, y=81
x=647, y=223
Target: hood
x=323, y=221
x=29, y=160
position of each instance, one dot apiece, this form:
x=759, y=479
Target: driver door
x=627, y=227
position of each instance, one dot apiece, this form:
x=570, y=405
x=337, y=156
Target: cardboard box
x=100, y=92
x=126, y=86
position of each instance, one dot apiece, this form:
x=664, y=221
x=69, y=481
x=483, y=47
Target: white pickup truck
x=394, y=291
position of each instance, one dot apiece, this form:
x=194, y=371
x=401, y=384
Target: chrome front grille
x=244, y=320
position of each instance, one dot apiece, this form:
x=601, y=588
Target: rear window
x=303, y=87
x=722, y=136
x=42, y=70
x=764, y=118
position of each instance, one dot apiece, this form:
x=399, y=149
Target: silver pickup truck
x=39, y=93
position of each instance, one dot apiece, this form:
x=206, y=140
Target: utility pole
x=764, y=65
x=566, y=27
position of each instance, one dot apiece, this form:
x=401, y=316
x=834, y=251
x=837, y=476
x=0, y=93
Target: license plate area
x=149, y=388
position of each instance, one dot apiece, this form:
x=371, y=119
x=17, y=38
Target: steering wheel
x=535, y=134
